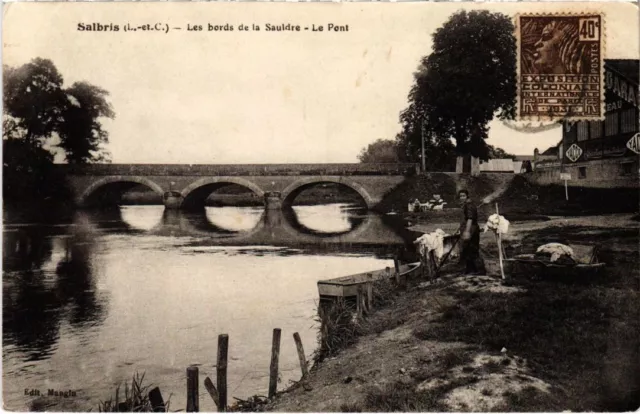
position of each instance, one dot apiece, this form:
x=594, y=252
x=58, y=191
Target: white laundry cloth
x=497, y=223
x=556, y=250
x=433, y=241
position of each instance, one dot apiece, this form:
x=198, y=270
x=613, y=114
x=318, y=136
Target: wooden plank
x=213, y=392
x=330, y=289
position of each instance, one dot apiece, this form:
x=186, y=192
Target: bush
x=339, y=328
x=136, y=398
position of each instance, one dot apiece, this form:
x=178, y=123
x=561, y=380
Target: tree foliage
x=380, y=151
x=469, y=78
x=42, y=113
x=81, y=133
x=33, y=101
x=499, y=153
x=41, y=116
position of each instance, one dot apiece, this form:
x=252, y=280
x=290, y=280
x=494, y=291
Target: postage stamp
x=560, y=66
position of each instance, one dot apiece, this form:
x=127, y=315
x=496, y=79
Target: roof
x=552, y=150
x=629, y=68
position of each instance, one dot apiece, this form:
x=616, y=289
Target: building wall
x=605, y=173
x=596, y=153
x=598, y=140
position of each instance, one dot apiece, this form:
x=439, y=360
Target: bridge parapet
x=237, y=169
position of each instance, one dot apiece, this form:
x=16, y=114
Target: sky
x=194, y=97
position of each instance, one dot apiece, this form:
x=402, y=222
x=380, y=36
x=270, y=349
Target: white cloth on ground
x=556, y=250
x=433, y=241
x=497, y=223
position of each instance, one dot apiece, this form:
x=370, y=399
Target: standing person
x=470, y=236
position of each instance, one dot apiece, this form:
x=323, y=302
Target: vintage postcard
x=320, y=207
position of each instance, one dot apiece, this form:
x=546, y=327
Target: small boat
x=348, y=285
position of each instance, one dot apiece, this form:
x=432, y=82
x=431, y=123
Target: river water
x=89, y=302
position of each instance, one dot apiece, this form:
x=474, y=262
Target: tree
x=380, y=151
x=440, y=154
x=39, y=111
x=499, y=153
x=469, y=77
x=33, y=100
x=80, y=132
x=40, y=115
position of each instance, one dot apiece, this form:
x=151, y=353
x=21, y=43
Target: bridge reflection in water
x=95, y=289
x=288, y=227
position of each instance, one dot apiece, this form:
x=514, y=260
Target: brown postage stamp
x=560, y=66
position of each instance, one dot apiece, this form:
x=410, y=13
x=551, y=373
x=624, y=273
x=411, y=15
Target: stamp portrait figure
x=560, y=66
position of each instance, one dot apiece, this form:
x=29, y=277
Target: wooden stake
x=221, y=370
x=370, y=292
x=301, y=356
x=363, y=296
x=192, y=390
x=499, y=239
x=273, y=369
x=396, y=264
x=213, y=392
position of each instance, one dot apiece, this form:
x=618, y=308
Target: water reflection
x=141, y=217
x=234, y=219
x=139, y=288
x=76, y=285
x=25, y=248
x=326, y=220
x=47, y=278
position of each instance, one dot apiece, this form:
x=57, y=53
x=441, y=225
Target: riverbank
x=474, y=343
x=514, y=193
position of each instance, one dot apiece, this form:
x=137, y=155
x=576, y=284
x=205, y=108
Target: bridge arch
x=195, y=193
x=84, y=199
x=295, y=188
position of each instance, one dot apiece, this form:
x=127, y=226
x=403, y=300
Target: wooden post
x=359, y=301
x=301, y=356
x=499, y=239
x=192, y=390
x=273, y=369
x=156, y=400
x=363, y=297
x=221, y=370
x=370, y=292
x=396, y=264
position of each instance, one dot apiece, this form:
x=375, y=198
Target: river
x=89, y=302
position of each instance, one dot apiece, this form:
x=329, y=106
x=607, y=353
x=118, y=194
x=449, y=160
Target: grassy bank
x=473, y=343
x=518, y=199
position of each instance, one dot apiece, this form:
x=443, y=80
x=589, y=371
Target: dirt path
x=474, y=344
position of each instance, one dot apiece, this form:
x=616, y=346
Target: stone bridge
x=188, y=186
